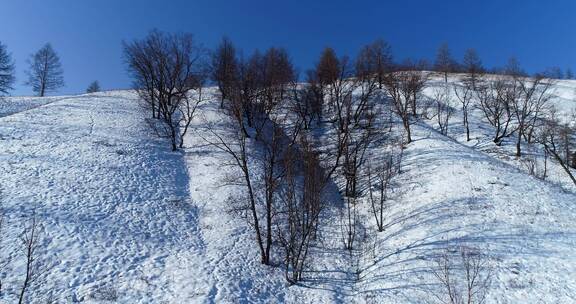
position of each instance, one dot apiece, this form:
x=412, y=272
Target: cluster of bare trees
x=464, y=275
x=558, y=139
x=169, y=72
x=513, y=103
x=380, y=181
x=283, y=167
x=253, y=90
x=404, y=87
x=351, y=95
x=301, y=204
x=286, y=173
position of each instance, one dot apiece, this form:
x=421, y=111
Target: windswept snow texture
x=11, y=105
x=112, y=199
x=126, y=220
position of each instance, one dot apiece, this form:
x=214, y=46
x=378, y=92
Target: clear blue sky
x=88, y=34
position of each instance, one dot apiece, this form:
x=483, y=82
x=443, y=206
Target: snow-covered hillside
x=126, y=220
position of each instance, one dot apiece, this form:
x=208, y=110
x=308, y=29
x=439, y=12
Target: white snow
x=124, y=217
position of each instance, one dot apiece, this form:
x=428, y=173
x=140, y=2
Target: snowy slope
x=481, y=133
x=454, y=195
x=112, y=200
x=127, y=220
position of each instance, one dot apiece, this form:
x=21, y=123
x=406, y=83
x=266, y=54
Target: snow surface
x=126, y=220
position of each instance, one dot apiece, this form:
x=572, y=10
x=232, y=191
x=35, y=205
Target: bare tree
x=224, y=68
x=355, y=128
x=444, y=109
x=403, y=87
x=302, y=204
x=166, y=68
x=464, y=94
x=45, y=73
x=93, y=87
x=444, y=62
x=352, y=119
x=301, y=104
x=261, y=86
x=464, y=276
x=375, y=58
x=316, y=91
x=139, y=58
x=534, y=93
x=328, y=68
x=277, y=73
x=379, y=182
x=394, y=85
x=472, y=66
x=495, y=97
x=556, y=138
x=30, y=241
x=414, y=80
x=235, y=143
x=533, y=167
x=513, y=68
x=188, y=107
x=7, y=77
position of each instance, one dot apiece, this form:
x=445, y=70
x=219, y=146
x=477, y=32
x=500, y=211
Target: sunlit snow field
x=127, y=220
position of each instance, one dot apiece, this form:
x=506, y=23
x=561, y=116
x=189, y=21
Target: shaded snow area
x=125, y=220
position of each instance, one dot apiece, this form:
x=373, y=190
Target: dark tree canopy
x=7, y=77
x=45, y=72
x=94, y=87
x=328, y=68
x=224, y=67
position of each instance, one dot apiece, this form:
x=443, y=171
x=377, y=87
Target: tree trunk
x=564, y=165
x=518, y=146
x=408, y=133
x=264, y=258
x=466, y=125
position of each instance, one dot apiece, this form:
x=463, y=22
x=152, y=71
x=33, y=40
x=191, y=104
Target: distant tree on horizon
x=513, y=68
x=94, y=87
x=45, y=73
x=328, y=68
x=376, y=59
x=554, y=72
x=444, y=62
x=224, y=66
x=7, y=77
x=569, y=74
x=472, y=64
